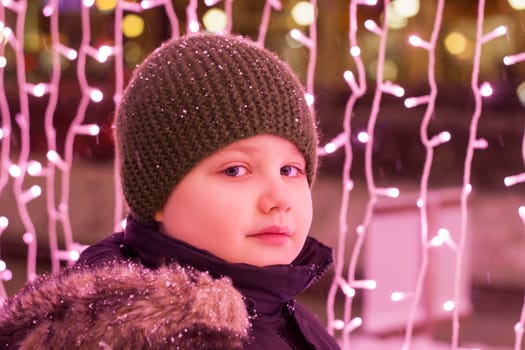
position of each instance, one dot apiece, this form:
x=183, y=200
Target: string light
x=355, y=80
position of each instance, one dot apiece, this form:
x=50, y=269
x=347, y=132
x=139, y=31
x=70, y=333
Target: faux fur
x=126, y=306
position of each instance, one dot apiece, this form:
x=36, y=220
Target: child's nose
x=275, y=196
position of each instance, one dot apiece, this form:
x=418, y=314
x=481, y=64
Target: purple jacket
x=277, y=320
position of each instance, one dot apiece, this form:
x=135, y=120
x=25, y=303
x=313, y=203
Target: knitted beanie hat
x=195, y=95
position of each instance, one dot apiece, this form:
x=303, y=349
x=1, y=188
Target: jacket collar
x=269, y=287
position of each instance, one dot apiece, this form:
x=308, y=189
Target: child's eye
x=234, y=171
x=290, y=170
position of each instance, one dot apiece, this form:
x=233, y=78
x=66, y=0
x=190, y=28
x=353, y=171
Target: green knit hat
x=195, y=95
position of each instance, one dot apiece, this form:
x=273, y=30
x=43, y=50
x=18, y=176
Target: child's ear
x=159, y=215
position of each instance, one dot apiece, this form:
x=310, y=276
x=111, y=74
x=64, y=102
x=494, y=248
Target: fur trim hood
x=125, y=306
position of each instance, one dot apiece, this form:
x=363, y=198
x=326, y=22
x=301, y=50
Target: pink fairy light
x=191, y=14
x=265, y=20
x=471, y=146
x=513, y=59
x=358, y=89
x=429, y=144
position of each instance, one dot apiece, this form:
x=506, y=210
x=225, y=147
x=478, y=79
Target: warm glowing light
x=395, y=19
x=520, y=91
x=106, y=5
x=3, y=62
x=88, y=3
x=303, y=13
x=3, y=266
x=123, y=224
x=132, y=25
x=406, y=8
x=517, y=4
x=215, y=20
x=363, y=137
x=456, y=43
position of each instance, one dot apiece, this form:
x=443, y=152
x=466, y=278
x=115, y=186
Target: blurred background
x=494, y=268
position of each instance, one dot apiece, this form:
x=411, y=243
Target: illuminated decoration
x=105, y=5
x=57, y=165
x=215, y=20
x=456, y=43
x=303, y=13
x=395, y=19
x=406, y=8
x=263, y=27
x=517, y=4
x=132, y=26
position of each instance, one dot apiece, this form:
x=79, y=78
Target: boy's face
x=249, y=202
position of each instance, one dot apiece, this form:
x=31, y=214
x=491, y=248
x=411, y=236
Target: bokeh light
x=456, y=43
x=303, y=13
x=395, y=19
x=105, y=5
x=132, y=25
x=215, y=20
x=406, y=8
x=520, y=91
x=517, y=4
x=132, y=53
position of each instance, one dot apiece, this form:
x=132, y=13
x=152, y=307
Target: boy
x=217, y=153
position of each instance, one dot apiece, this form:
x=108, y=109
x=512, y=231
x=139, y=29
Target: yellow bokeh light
x=132, y=53
x=106, y=5
x=406, y=8
x=390, y=70
x=517, y=4
x=520, y=91
x=456, y=43
x=395, y=20
x=132, y=25
x=214, y=20
x=303, y=13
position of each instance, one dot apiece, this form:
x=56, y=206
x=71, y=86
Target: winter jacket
x=125, y=306
x=260, y=312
